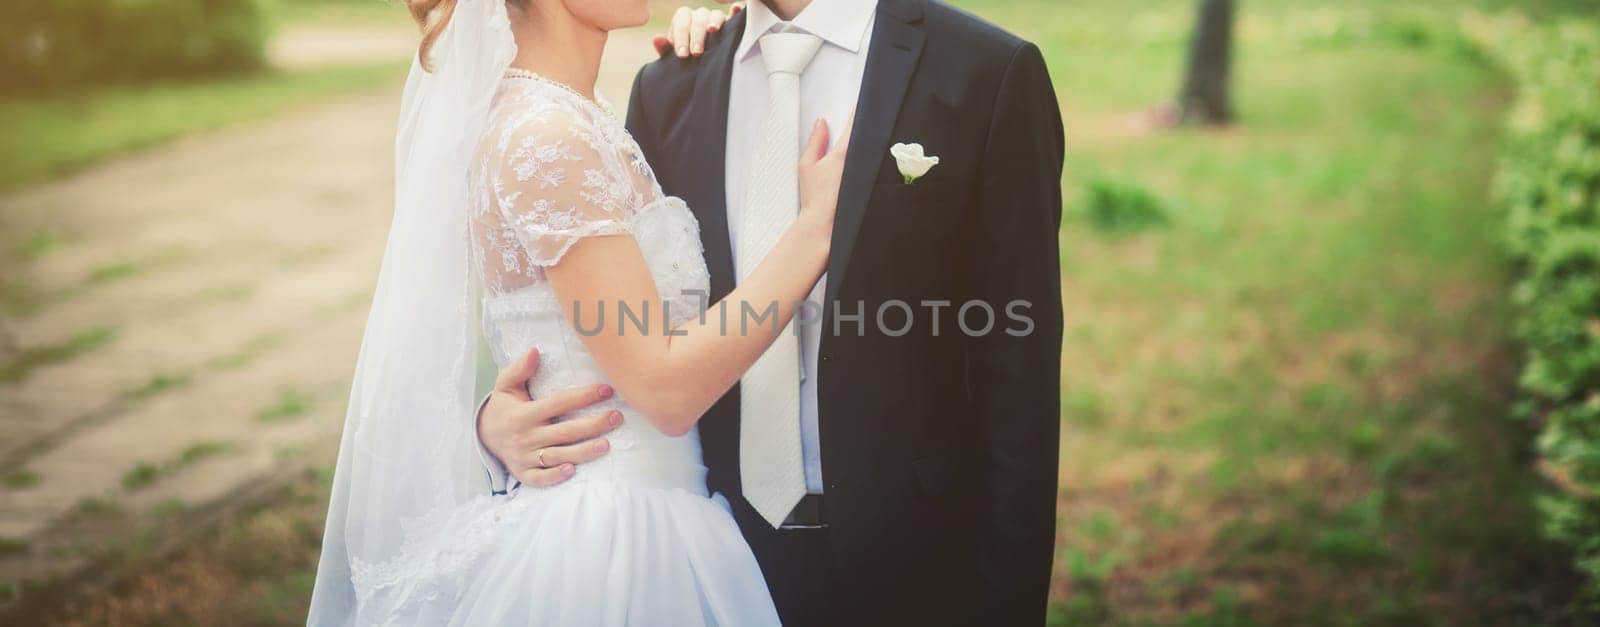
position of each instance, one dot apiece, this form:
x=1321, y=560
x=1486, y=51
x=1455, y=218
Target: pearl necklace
x=517, y=72
x=610, y=123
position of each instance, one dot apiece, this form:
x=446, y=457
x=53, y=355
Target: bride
x=525, y=209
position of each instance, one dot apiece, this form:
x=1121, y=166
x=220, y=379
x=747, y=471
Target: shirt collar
x=842, y=23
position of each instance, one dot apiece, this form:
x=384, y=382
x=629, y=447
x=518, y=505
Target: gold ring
x=540, y=455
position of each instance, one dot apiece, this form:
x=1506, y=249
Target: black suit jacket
x=939, y=449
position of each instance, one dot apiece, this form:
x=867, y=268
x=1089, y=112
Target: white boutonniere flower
x=913, y=163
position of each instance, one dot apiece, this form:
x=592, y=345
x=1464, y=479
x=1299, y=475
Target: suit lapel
x=891, y=60
x=708, y=135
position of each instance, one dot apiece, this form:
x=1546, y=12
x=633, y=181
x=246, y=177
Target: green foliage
x=20, y=366
x=141, y=476
x=55, y=43
x=96, y=507
x=1355, y=539
x=292, y=403
x=10, y=546
x=146, y=474
x=158, y=383
x=1549, y=184
x=53, y=133
x=1120, y=207
x=19, y=479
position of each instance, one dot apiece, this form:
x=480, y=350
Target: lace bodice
x=553, y=168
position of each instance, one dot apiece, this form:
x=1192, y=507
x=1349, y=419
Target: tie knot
x=789, y=53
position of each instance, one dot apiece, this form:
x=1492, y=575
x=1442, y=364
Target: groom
x=926, y=383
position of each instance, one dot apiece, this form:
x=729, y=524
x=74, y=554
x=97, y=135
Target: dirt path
x=187, y=322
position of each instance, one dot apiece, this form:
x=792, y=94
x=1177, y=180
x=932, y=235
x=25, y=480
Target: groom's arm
x=1016, y=381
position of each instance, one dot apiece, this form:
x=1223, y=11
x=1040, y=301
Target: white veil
x=410, y=437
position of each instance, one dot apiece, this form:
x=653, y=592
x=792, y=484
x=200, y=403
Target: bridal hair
x=432, y=17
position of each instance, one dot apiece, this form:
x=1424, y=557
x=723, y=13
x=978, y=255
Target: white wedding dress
x=634, y=538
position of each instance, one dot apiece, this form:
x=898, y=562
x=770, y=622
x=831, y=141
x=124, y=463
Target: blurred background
x=1332, y=278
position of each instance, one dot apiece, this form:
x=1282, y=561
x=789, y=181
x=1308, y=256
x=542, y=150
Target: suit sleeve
x=1015, y=378
x=499, y=478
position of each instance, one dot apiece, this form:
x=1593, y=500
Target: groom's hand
x=521, y=431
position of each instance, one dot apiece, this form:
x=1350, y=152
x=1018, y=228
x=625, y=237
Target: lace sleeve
x=560, y=180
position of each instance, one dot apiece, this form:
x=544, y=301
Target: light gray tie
x=771, y=469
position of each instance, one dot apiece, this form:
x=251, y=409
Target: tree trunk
x=1205, y=90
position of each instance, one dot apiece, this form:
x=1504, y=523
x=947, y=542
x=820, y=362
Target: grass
x=246, y=354
x=96, y=507
x=157, y=384
x=21, y=299
x=143, y=475
x=122, y=269
x=48, y=135
x=19, y=479
x=146, y=474
x=38, y=244
x=227, y=292
x=257, y=570
x=18, y=367
x=292, y=403
x=10, y=547
x=1287, y=366
x=200, y=451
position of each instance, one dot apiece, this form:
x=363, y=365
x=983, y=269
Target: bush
x=1549, y=184
x=1120, y=207
x=56, y=43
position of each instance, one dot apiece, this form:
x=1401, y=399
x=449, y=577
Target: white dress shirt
x=828, y=89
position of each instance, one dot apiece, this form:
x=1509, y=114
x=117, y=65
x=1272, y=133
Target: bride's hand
x=821, y=170
x=687, y=35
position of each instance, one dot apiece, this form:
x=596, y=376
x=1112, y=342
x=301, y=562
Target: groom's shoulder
x=670, y=79
x=960, y=29
x=668, y=70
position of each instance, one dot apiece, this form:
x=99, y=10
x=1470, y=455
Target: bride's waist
x=629, y=469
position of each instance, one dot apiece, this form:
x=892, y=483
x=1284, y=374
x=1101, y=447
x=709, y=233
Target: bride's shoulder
x=529, y=122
